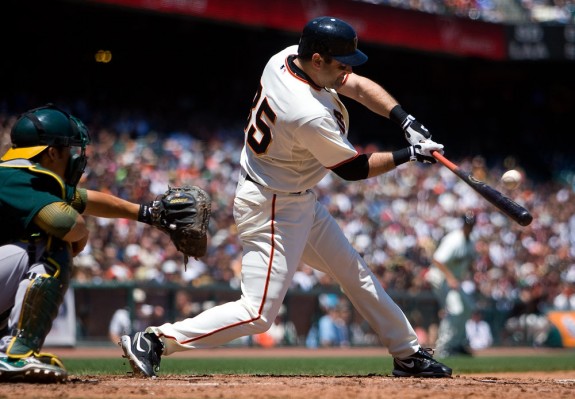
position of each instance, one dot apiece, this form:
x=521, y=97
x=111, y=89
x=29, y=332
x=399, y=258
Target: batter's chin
x=338, y=83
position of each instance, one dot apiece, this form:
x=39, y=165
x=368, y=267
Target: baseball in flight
x=511, y=179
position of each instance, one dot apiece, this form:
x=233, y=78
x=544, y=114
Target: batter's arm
x=380, y=163
x=368, y=93
x=365, y=166
x=377, y=99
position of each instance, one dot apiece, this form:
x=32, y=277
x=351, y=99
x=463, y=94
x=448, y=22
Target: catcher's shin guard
x=42, y=299
x=4, y=330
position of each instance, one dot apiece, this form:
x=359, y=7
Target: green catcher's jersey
x=25, y=188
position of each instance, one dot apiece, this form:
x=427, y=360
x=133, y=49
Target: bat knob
x=525, y=219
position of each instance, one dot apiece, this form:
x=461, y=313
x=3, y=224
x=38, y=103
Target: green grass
x=332, y=366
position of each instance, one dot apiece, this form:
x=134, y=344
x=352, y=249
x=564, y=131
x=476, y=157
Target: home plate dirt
x=532, y=385
x=500, y=386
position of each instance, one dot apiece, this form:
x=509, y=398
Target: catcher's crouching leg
x=41, y=296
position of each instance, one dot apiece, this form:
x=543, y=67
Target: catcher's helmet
x=45, y=126
x=333, y=37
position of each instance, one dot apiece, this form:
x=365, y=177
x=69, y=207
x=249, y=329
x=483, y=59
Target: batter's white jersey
x=296, y=132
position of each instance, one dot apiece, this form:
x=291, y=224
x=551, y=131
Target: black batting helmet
x=333, y=37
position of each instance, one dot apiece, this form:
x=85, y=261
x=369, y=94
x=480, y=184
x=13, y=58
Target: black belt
x=249, y=178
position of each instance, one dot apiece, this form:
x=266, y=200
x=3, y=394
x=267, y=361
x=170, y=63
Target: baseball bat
x=503, y=203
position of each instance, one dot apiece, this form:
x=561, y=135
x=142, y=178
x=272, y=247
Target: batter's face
x=332, y=74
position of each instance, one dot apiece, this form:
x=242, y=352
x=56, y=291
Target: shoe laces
x=157, y=350
x=428, y=352
x=421, y=354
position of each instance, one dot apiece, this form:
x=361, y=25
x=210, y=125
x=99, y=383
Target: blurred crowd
x=498, y=11
x=395, y=220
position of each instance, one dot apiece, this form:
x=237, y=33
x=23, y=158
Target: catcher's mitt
x=184, y=214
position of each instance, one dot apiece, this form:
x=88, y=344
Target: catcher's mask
x=50, y=126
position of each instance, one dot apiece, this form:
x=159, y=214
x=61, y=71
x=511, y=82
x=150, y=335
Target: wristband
x=404, y=155
x=144, y=214
x=398, y=115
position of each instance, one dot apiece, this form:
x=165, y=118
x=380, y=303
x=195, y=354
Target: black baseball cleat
x=144, y=351
x=420, y=364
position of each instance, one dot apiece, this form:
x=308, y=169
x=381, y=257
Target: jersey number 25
x=259, y=136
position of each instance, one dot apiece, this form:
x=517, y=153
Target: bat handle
x=446, y=162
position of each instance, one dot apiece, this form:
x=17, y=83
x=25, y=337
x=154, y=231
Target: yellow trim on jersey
x=38, y=169
x=56, y=219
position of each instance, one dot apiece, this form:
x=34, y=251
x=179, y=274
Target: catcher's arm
x=109, y=206
x=95, y=203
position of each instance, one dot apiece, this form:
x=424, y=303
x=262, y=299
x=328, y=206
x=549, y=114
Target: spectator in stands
x=565, y=300
x=282, y=332
x=331, y=329
x=478, y=332
x=304, y=278
x=527, y=321
x=185, y=306
x=113, y=267
x=121, y=322
x=416, y=319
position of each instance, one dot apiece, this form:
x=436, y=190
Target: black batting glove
x=414, y=131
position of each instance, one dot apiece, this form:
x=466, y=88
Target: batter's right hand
x=422, y=151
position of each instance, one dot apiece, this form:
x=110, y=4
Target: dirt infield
x=501, y=386
x=512, y=386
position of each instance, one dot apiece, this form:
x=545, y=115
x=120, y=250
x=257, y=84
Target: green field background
x=329, y=366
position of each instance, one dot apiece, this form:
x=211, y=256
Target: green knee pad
x=43, y=298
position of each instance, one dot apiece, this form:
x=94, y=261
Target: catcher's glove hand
x=184, y=214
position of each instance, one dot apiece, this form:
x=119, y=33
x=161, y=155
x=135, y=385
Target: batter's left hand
x=414, y=131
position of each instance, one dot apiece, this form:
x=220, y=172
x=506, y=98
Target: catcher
x=44, y=209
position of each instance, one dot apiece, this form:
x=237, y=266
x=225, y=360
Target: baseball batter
x=297, y=133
